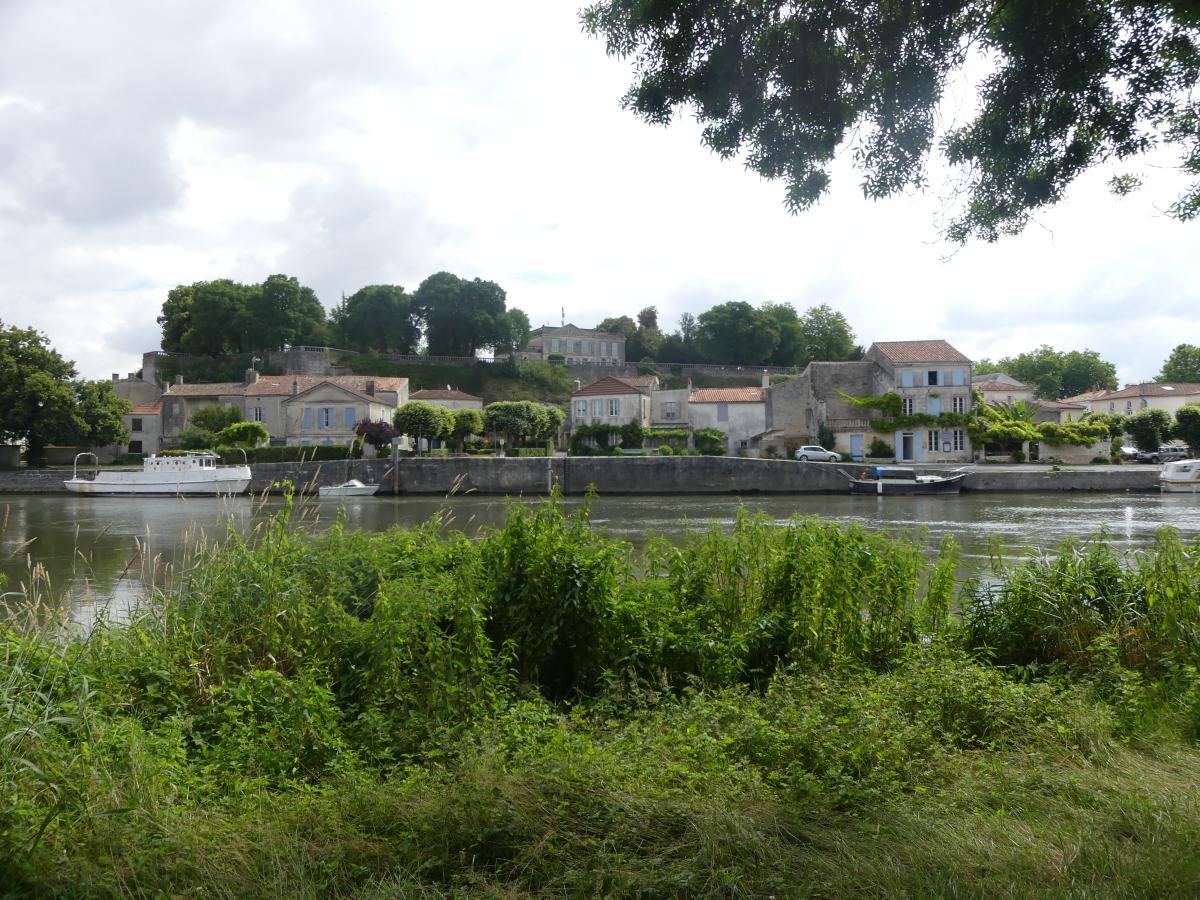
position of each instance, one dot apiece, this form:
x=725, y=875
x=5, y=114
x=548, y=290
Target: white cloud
x=372, y=142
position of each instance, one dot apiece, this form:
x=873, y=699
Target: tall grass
x=803, y=709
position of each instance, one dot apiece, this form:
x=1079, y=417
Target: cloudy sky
x=362, y=143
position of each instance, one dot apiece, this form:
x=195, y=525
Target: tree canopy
x=378, y=317
x=463, y=316
x=1071, y=84
x=216, y=318
x=41, y=402
x=1053, y=374
x=1183, y=365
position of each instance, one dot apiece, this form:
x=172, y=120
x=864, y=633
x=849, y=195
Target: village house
x=613, y=401
x=1133, y=398
x=290, y=407
x=999, y=389
x=740, y=412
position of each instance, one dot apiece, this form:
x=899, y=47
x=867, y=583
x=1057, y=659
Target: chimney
x=370, y=387
x=766, y=381
x=132, y=375
x=179, y=379
x=295, y=387
x=251, y=376
x=691, y=390
x=116, y=376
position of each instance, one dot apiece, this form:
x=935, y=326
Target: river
x=98, y=552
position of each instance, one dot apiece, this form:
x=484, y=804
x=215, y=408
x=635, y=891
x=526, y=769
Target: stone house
x=613, y=401
x=269, y=400
x=1001, y=389
x=1134, y=398
x=740, y=412
x=578, y=346
x=145, y=428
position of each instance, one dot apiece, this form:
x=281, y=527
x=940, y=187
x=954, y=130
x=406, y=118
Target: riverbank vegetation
x=807, y=709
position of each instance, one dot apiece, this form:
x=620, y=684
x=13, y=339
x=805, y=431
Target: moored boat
x=1182, y=477
x=196, y=472
x=351, y=488
x=887, y=480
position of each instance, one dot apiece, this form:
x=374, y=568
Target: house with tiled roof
x=1167, y=396
x=330, y=404
x=613, y=401
x=998, y=389
x=144, y=424
x=931, y=377
x=740, y=412
x=448, y=398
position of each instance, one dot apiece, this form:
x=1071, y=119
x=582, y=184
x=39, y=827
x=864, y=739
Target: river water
x=99, y=552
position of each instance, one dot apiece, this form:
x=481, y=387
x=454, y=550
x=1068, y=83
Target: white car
x=817, y=454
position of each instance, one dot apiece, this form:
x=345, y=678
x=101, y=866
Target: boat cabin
x=193, y=459
x=890, y=473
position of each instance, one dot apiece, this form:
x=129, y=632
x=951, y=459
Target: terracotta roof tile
x=1058, y=404
x=920, y=352
x=999, y=386
x=727, y=395
x=435, y=394
x=147, y=409
x=1152, y=389
x=279, y=385
x=607, y=385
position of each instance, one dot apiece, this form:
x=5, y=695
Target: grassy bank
x=807, y=710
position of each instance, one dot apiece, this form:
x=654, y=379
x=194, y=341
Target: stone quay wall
x=620, y=475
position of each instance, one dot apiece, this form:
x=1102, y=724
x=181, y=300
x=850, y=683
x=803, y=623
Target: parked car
x=1130, y=454
x=817, y=454
x=1168, y=453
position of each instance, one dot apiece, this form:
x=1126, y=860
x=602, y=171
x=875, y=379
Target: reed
x=797, y=709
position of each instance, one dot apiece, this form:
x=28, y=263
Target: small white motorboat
x=351, y=488
x=1182, y=477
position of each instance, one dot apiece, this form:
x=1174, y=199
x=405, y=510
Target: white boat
x=1182, y=477
x=351, y=488
x=196, y=472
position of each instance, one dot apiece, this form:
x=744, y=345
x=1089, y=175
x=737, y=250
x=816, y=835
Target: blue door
x=919, y=439
x=856, y=446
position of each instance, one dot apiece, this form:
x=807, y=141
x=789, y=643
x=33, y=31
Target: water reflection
x=99, y=553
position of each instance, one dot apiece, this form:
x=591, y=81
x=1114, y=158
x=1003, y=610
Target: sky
x=149, y=143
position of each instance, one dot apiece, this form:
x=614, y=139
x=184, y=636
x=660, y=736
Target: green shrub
x=617, y=451
x=665, y=450
x=880, y=449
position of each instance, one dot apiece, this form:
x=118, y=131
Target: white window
x=960, y=439
x=722, y=412
x=581, y=409
x=325, y=417
x=554, y=345
x=258, y=414
x=934, y=438
x=908, y=406
x=960, y=404
x=1128, y=406
x=671, y=409
x=597, y=408
x=614, y=406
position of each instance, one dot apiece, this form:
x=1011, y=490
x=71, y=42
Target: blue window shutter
x=349, y=416
x=307, y=426
x=906, y=379
x=935, y=406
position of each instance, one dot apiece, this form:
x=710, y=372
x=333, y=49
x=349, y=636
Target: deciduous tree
x=379, y=317
x=100, y=411
x=38, y=402
x=1149, y=428
x=1183, y=365
x=1187, y=427
x=737, y=333
x=1068, y=85
x=214, y=417
x=419, y=419
x=463, y=316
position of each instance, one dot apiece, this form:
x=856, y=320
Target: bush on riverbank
x=777, y=710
